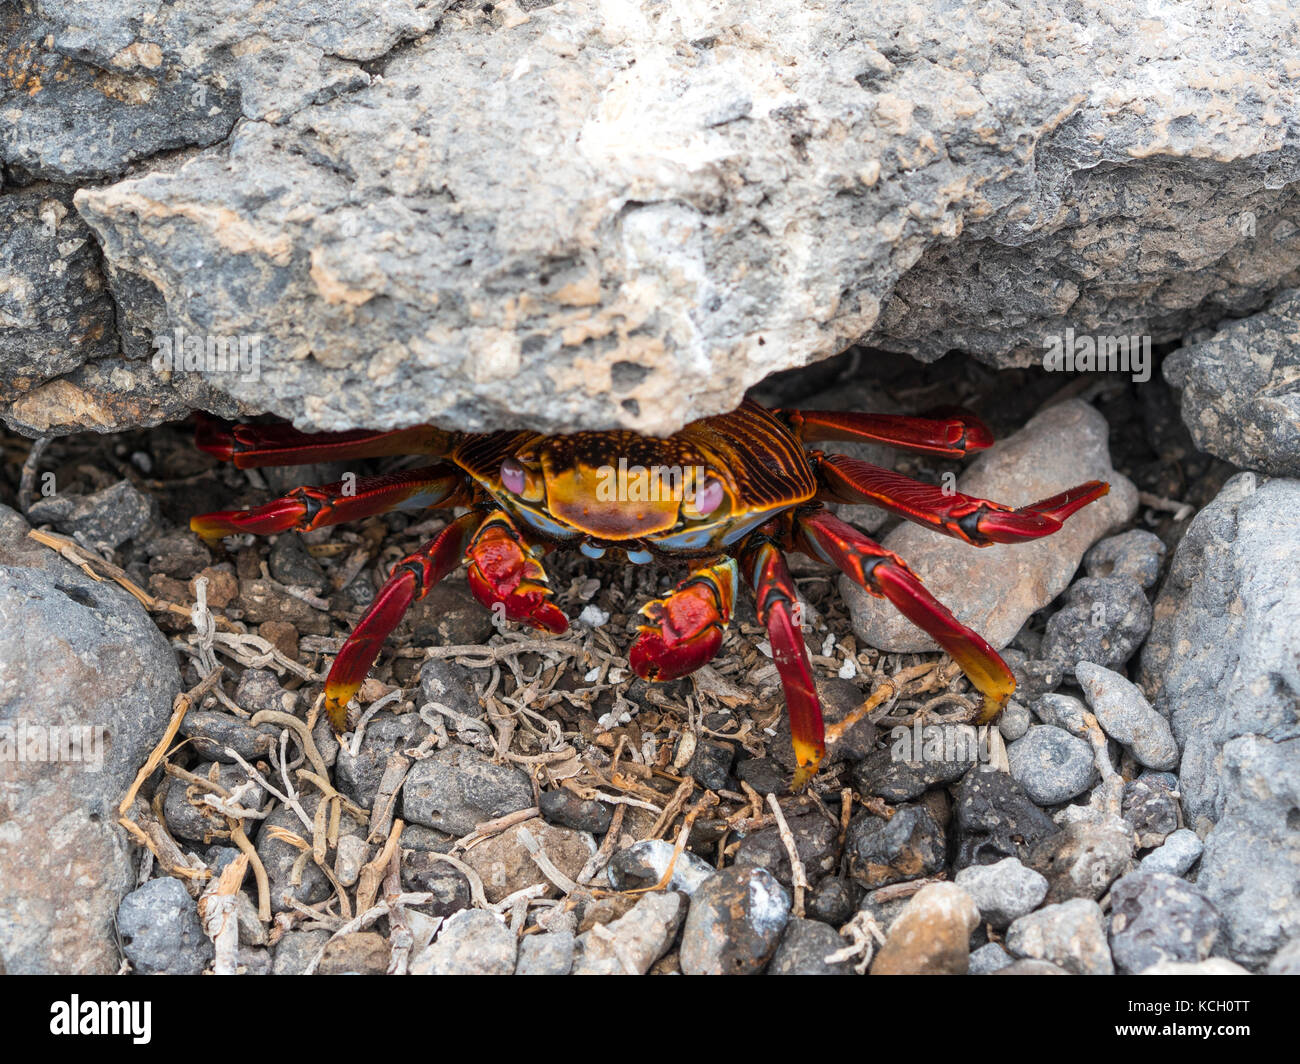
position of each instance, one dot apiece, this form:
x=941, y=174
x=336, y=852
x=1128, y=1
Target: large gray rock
x=1223, y=665
x=1241, y=389
x=995, y=589
x=624, y=215
x=82, y=657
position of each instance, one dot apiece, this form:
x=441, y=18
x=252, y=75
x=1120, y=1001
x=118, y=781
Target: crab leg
x=411, y=579
x=687, y=626
x=965, y=517
x=957, y=432
x=778, y=610
x=306, y=508
x=267, y=445
x=504, y=574
x=883, y=573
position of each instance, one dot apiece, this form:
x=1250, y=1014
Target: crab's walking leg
x=977, y=521
x=883, y=573
x=267, y=445
x=306, y=508
x=411, y=579
x=687, y=626
x=778, y=610
x=955, y=433
x=504, y=574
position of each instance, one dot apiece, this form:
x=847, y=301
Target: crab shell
x=621, y=489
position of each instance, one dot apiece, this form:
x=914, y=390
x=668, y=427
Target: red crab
x=728, y=494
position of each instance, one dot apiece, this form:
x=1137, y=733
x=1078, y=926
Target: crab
x=728, y=495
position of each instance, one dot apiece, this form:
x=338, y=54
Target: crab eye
x=512, y=476
x=708, y=497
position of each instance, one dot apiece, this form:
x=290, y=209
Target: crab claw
x=278, y=516
x=687, y=626
x=503, y=575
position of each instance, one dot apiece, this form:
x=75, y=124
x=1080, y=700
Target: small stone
x=160, y=930
x=633, y=942
x=472, y=942
x=931, y=936
x=424, y=873
x=505, y=864
x=452, y=685
x=103, y=520
x=815, y=840
x=351, y=855
x=1062, y=711
x=211, y=731
x=295, y=951
x=1180, y=851
x=386, y=734
x=260, y=689
x=908, y=845
x=710, y=764
x=735, y=922
x=255, y=960
x=644, y=863
x=291, y=563
x=831, y=901
x=1157, y=917
x=1151, y=811
x=458, y=788
x=803, y=950
x=562, y=806
x=897, y=779
x=1071, y=935
x=1127, y=717
x=1004, y=891
x=1014, y=722
x=764, y=774
x=1082, y=860
x=187, y=817
x=546, y=954
x=1052, y=765
x=1034, y=678
x=358, y=953
x=988, y=959
x=996, y=819
x=1103, y=620
x=282, y=635
x=1137, y=554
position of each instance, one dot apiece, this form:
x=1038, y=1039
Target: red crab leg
x=687, y=626
x=504, y=574
x=977, y=521
x=884, y=573
x=411, y=579
x=778, y=610
x=956, y=433
x=306, y=508
x=267, y=445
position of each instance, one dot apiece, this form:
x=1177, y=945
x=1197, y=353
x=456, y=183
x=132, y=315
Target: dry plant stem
x=299, y=729
x=27, y=484
x=372, y=874
x=710, y=799
x=600, y=858
x=218, y=909
x=240, y=839
x=390, y=786
x=798, y=876
x=475, y=880
x=149, y=832
x=85, y=560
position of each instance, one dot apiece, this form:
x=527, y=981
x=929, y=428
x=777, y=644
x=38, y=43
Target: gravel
x=1157, y=917
x=735, y=922
x=457, y=788
x=931, y=936
x=160, y=930
x=804, y=947
x=1071, y=935
x=1004, y=891
x=473, y=942
x=908, y=845
x=1176, y=855
x=1127, y=717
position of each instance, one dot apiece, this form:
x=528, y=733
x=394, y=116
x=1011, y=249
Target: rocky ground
x=506, y=798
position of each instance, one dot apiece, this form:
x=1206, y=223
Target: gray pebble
x=472, y=942
x=1052, y=765
x=1127, y=717
x=1071, y=935
x=1137, y=554
x=803, y=950
x=734, y=924
x=1157, y=917
x=988, y=959
x=1103, y=620
x=458, y=788
x=1003, y=891
x=1180, y=851
x=160, y=930
x=546, y=954
x=644, y=862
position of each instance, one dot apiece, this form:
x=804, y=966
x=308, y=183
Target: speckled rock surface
x=647, y=209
